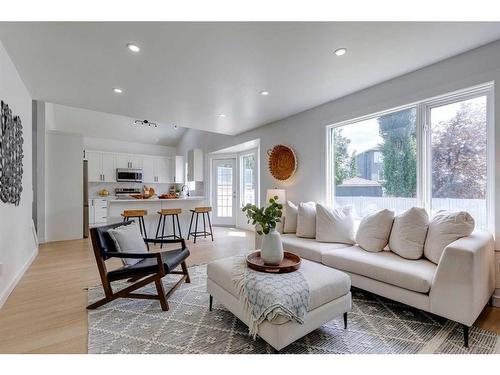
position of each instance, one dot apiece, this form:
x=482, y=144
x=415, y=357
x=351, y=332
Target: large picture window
x=432, y=154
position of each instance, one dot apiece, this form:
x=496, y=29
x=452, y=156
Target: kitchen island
x=152, y=206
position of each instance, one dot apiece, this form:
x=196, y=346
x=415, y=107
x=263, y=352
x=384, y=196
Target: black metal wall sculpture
x=11, y=156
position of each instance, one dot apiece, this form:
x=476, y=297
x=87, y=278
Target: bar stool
x=129, y=215
x=174, y=212
x=202, y=211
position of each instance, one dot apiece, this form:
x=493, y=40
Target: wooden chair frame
x=141, y=279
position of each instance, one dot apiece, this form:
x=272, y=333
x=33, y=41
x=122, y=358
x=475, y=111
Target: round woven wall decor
x=282, y=162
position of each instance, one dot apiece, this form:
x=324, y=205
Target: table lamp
x=280, y=193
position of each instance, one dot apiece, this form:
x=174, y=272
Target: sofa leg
x=466, y=335
x=345, y=320
x=210, y=303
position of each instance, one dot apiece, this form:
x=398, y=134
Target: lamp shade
x=280, y=193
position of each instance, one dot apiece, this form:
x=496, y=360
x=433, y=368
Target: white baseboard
x=6, y=293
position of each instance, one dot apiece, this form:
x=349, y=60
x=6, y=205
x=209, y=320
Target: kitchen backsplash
x=196, y=188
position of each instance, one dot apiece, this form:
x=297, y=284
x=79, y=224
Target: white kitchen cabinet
x=156, y=169
x=129, y=161
x=178, y=169
x=195, y=165
x=162, y=170
x=148, y=170
x=91, y=211
x=101, y=166
x=100, y=208
x=94, y=166
x=108, y=167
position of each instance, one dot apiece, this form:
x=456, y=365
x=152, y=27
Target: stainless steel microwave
x=128, y=175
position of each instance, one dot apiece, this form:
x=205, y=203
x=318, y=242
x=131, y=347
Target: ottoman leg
x=210, y=303
x=345, y=320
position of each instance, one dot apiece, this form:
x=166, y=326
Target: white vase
x=272, y=248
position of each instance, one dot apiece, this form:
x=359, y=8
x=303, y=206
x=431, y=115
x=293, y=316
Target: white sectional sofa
x=457, y=288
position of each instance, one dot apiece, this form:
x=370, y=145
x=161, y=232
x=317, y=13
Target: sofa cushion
x=445, y=228
x=291, y=211
x=306, y=220
x=334, y=224
x=308, y=248
x=408, y=233
x=374, y=230
x=384, y=266
x=325, y=283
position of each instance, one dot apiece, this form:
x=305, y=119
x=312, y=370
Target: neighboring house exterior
x=359, y=187
x=370, y=165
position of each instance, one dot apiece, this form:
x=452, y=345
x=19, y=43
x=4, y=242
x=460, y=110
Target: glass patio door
x=224, y=191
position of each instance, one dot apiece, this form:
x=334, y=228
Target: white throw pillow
x=408, y=233
x=334, y=224
x=374, y=230
x=128, y=239
x=290, y=224
x=444, y=228
x=306, y=220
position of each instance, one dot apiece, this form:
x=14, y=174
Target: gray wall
x=306, y=133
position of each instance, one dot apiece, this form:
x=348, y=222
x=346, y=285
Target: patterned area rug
x=376, y=325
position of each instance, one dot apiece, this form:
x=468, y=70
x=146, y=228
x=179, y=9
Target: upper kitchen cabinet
x=177, y=169
x=195, y=165
x=129, y=161
x=101, y=166
x=156, y=169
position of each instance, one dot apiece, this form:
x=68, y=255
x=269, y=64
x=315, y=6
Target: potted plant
x=265, y=220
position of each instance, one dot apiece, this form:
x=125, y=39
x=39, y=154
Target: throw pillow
x=408, y=233
x=444, y=228
x=306, y=220
x=128, y=239
x=374, y=230
x=334, y=224
x=291, y=211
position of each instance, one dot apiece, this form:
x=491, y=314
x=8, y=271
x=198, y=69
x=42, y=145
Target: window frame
x=424, y=149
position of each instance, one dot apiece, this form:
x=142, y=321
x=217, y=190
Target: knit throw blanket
x=267, y=296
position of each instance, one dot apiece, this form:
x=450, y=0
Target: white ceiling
x=187, y=73
x=106, y=125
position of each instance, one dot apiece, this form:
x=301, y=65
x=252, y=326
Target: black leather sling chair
x=151, y=268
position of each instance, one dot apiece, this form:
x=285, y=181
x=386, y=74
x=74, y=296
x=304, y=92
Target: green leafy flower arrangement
x=265, y=218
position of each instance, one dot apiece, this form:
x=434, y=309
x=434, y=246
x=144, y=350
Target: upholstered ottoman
x=329, y=297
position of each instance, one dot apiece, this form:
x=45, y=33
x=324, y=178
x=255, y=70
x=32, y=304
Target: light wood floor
x=46, y=311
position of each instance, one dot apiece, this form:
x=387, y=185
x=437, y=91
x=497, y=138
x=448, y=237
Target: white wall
x=17, y=241
x=111, y=145
x=305, y=132
x=63, y=186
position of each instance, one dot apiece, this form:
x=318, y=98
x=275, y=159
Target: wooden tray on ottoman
x=290, y=263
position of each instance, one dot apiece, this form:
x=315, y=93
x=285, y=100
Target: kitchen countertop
x=192, y=198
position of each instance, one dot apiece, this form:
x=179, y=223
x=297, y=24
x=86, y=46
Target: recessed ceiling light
x=340, y=51
x=133, y=47
x=117, y=90
x=265, y=93
x=221, y=115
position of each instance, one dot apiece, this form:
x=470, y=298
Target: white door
x=108, y=167
x=248, y=186
x=94, y=166
x=224, y=191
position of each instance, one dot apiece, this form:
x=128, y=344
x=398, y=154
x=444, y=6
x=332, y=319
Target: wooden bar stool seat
x=174, y=212
x=170, y=211
x=203, y=211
